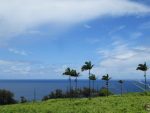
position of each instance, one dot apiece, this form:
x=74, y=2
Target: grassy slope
x=112, y=104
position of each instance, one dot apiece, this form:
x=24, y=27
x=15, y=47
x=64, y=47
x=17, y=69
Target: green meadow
x=128, y=103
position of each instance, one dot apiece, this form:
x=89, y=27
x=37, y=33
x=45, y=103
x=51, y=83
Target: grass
x=129, y=103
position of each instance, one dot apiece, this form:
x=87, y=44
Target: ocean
x=40, y=88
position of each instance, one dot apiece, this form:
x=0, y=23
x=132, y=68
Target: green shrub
x=103, y=92
x=6, y=97
x=23, y=99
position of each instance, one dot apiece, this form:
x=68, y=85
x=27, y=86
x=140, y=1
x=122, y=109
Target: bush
x=45, y=98
x=57, y=94
x=103, y=92
x=85, y=92
x=23, y=99
x=76, y=93
x=6, y=97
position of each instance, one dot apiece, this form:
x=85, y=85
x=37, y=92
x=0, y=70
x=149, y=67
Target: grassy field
x=130, y=103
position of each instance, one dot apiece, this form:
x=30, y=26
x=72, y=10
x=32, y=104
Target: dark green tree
x=87, y=67
x=144, y=68
x=23, y=99
x=68, y=72
x=121, y=85
x=75, y=74
x=106, y=78
x=6, y=97
x=104, y=92
x=93, y=78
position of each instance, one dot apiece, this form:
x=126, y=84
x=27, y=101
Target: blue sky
x=40, y=38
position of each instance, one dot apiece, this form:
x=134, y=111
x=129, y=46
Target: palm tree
x=68, y=72
x=76, y=75
x=106, y=78
x=144, y=68
x=88, y=66
x=121, y=84
x=93, y=78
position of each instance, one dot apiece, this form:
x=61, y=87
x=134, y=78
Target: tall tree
x=144, y=68
x=93, y=78
x=76, y=75
x=106, y=78
x=121, y=84
x=87, y=67
x=68, y=72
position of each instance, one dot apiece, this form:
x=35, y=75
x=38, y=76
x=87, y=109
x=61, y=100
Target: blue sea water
x=28, y=88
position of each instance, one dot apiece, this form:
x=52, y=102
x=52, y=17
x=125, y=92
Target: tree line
x=7, y=97
x=88, y=67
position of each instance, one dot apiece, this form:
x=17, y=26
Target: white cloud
x=18, y=52
x=18, y=16
x=136, y=35
x=28, y=70
x=14, y=67
x=116, y=29
x=121, y=62
x=145, y=25
x=92, y=40
x=87, y=26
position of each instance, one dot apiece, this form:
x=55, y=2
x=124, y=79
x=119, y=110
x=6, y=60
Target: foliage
x=6, y=97
x=85, y=92
x=23, y=99
x=58, y=93
x=121, y=81
x=142, y=67
x=103, y=92
x=87, y=66
x=75, y=73
x=113, y=104
x=74, y=93
x=106, y=77
x=92, y=77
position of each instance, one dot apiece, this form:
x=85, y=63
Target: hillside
x=113, y=104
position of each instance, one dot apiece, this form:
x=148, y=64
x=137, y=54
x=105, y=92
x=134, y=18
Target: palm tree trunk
x=70, y=86
x=107, y=87
x=145, y=80
x=76, y=88
x=93, y=86
x=89, y=85
x=121, y=89
x=76, y=83
x=34, y=95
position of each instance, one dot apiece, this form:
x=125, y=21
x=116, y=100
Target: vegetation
x=105, y=92
x=93, y=78
x=58, y=102
x=88, y=66
x=144, y=68
x=130, y=103
x=6, y=97
x=121, y=85
x=23, y=99
x=106, y=78
x=76, y=75
x=68, y=72
x=80, y=93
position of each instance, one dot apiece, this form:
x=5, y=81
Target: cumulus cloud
x=121, y=62
x=14, y=67
x=27, y=70
x=18, y=16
